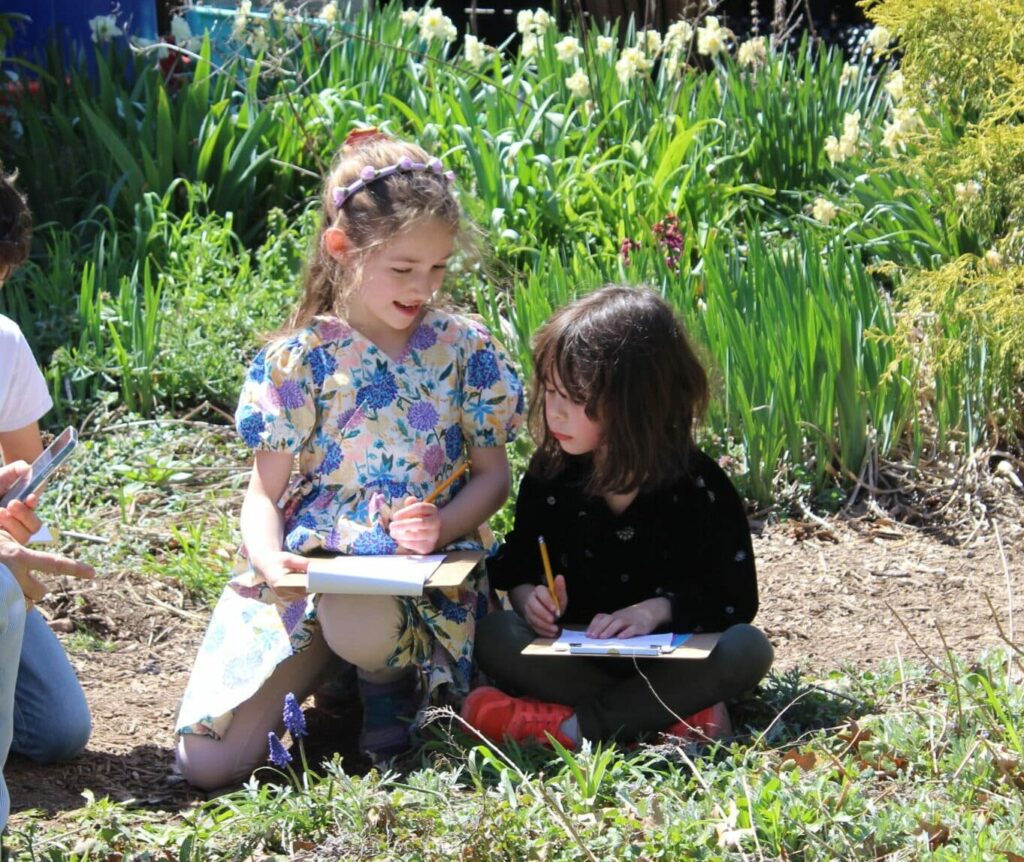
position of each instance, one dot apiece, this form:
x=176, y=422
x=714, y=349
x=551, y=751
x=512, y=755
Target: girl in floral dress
x=379, y=397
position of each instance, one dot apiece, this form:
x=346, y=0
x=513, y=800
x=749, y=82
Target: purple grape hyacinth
x=294, y=720
x=279, y=755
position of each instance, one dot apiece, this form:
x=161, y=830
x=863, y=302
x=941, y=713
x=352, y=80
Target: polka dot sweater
x=688, y=542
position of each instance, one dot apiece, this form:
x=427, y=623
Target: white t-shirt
x=23, y=393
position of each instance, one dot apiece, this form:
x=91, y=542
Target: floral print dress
x=368, y=430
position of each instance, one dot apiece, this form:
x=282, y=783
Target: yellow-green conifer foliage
x=963, y=69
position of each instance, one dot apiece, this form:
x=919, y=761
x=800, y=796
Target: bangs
x=561, y=359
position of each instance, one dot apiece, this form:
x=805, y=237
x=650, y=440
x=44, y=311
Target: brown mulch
x=833, y=593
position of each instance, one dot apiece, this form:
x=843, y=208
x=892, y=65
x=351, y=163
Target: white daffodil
x=993, y=259
x=104, y=28
x=258, y=41
x=833, y=149
x=878, y=38
x=851, y=124
x=649, y=41
x=409, y=17
x=241, y=18
x=568, y=49
x=329, y=12
x=529, y=45
x=753, y=52
x=894, y=86
x=535, y=22
x=578, y=84
x=712, y=37
x=967, y=191
x=678, y=37
x=841, y=148
x=904, y=123
x=475, y=51
x=632, y=61
x=823, y=210
x=278, y=11
x=605, y=45
x=434, y=24
x=180, y=30
x=848, y=75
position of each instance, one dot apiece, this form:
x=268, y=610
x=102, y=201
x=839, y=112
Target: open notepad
x=395, y=575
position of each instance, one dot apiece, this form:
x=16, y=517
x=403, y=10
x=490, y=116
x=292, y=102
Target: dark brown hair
x=15, y=224
x=371, y=218
x=622, y=352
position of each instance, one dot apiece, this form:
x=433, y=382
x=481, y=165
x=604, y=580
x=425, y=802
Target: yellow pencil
x=547, y=573
x=440, y=489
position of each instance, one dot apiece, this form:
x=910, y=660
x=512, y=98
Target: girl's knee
x=202, y=763
x=363, y=630
x=745, y=647
x=500, y=637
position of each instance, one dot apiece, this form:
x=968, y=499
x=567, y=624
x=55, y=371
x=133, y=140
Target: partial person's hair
x=15, y=224
x=622, y=352
x=371, y=217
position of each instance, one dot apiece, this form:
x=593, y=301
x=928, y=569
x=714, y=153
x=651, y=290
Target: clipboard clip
x=589, y=649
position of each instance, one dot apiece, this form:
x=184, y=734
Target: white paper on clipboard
x=398, y=575
x=579, y=643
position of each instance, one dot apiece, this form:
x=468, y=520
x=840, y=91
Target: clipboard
x=695, y=646
x=450, y=573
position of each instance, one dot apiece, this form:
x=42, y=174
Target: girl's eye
x=400, y=270
x=441, y=266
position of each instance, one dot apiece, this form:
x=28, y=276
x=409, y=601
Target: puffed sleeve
x=517, y=560
x=277, y=407
x=492, y=394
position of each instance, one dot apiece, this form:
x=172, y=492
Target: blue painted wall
x=69, y=19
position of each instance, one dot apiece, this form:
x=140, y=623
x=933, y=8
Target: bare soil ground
x=833, y=593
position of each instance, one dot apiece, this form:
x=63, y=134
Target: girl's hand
x=19, y=521
x=639, y=619
x=416, y=527
x=539, y=610
x=273, y=566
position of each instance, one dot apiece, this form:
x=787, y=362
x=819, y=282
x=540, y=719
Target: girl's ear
x=336, y=243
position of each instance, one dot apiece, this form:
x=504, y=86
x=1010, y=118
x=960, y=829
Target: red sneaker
x=500, y=716
x=704, y=726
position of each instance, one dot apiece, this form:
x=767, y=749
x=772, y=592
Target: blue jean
x=12, y=625
x=51, y=715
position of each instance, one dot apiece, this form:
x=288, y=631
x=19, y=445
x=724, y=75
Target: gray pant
x=611, y=696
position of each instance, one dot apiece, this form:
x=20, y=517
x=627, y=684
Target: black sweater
x=688, y=542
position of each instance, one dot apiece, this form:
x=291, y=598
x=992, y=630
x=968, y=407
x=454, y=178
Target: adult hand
x=416, y=526
x=540, y=611
x=22, y=561
x=275, y=565
x=19, y=521
x=639, y=619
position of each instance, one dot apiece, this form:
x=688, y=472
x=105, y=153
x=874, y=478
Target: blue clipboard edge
x=696, y=646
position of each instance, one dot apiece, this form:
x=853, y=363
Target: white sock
x=571, y=728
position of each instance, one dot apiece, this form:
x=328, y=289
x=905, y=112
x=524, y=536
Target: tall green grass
x=128, y=171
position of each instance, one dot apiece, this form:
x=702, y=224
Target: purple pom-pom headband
x=371, y=174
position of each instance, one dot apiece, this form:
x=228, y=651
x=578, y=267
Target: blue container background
x=69, y=21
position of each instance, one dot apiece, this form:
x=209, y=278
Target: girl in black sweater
x=646, y=532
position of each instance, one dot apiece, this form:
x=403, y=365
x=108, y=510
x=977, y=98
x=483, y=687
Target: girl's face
x=568, y=422
x=400, y=279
